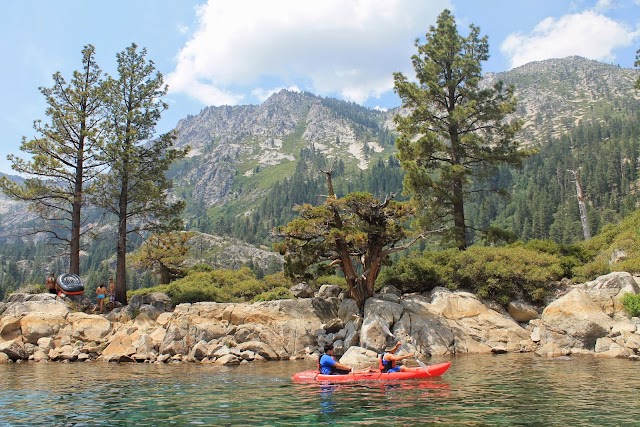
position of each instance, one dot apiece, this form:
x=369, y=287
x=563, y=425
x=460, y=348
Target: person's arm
x=393, y=358
x=341, y=366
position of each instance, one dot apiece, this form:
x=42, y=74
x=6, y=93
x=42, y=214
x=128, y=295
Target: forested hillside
x=543, y=201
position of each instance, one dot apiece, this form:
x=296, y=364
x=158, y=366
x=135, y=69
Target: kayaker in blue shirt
x=328, y=365
x=388, y=359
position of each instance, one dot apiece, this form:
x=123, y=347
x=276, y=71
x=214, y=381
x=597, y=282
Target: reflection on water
x=477, y=390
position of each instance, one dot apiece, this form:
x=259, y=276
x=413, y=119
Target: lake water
x=478, y=390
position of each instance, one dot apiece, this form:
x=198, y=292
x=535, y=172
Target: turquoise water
x=478, y=390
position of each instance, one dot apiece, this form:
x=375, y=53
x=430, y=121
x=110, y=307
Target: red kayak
x=375, y=375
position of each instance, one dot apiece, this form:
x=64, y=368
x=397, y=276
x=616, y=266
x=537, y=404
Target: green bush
x=416, y=273
x=496, y=273
x=616, y=248
x=222, y=286
x=274, y=294
x=631, y=303
x=329, y=280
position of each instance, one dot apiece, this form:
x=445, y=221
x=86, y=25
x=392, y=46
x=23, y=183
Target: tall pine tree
x=135, y=188
x=63, y=163
x=456, y=130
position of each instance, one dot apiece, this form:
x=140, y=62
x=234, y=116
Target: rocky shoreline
x=583, y=318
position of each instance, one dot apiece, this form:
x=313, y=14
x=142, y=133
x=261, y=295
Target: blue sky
x=228, y=52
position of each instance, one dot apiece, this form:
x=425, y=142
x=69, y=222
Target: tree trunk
x=165, y=275
x=74, y=247
x=458, y=215
x=76, y=220
x=121, y=252
x=459, y=226
x=359, y=293
x=584, y=220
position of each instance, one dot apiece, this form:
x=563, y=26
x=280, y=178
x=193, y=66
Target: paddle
x=386, y=330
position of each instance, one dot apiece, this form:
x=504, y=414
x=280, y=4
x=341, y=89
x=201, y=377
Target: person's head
x=328, y=349
x=102, y=285
x=51, y=275
x=393, y=348
x=110, y=279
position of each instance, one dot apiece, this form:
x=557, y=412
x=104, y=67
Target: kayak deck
x=375, y=375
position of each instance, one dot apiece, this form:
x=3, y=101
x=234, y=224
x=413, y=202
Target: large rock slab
x=285, y=326
x=39, y=324
x=359, y=358
x=48, y=305
x=9, y=328
x=607, y=291
x=476, y=327
x=574, y=321
x=89, y=327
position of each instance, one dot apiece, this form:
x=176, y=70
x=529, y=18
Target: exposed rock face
x=607, y=291
x=574, y=321
x=582, y=319
x=228, y=142
x=587, y=319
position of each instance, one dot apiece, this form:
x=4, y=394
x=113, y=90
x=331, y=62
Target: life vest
x=332, y=368
x=385, y=365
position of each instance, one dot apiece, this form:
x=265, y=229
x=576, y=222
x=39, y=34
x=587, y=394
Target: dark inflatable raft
x=70, y=284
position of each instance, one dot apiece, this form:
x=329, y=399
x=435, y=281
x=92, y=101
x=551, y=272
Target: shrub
x=222, y=286
x=496, y=273
x=276, y=280
x=329, y=280
x=201, y=268
x=631, y=303
x=274, y=294
x=30, y=288
x=416, y=274
x=616, y=248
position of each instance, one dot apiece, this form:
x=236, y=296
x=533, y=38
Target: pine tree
x=63, y=163
x=135, y=188
x=165, y=254
x=355, y=234
x=455, y=130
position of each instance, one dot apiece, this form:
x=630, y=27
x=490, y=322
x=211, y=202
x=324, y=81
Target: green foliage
x=419, y=273
x=631, y=303
x=63, y=161
x=274, y=294
x=543, y=203
x=165, y=254
x=499, y=274
x=456, y=131
x=276, y=280
x=637, y=64
x=329, y=280
x=31, y=288
x=222, y=286
x=616, y=248
x=135, y=188
x=201, y=268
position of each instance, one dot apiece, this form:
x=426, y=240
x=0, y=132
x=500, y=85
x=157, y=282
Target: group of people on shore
x=102, y=292
x=328, y=365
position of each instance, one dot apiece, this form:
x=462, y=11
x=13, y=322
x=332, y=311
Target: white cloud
x=588, y=34
x=344, y=47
